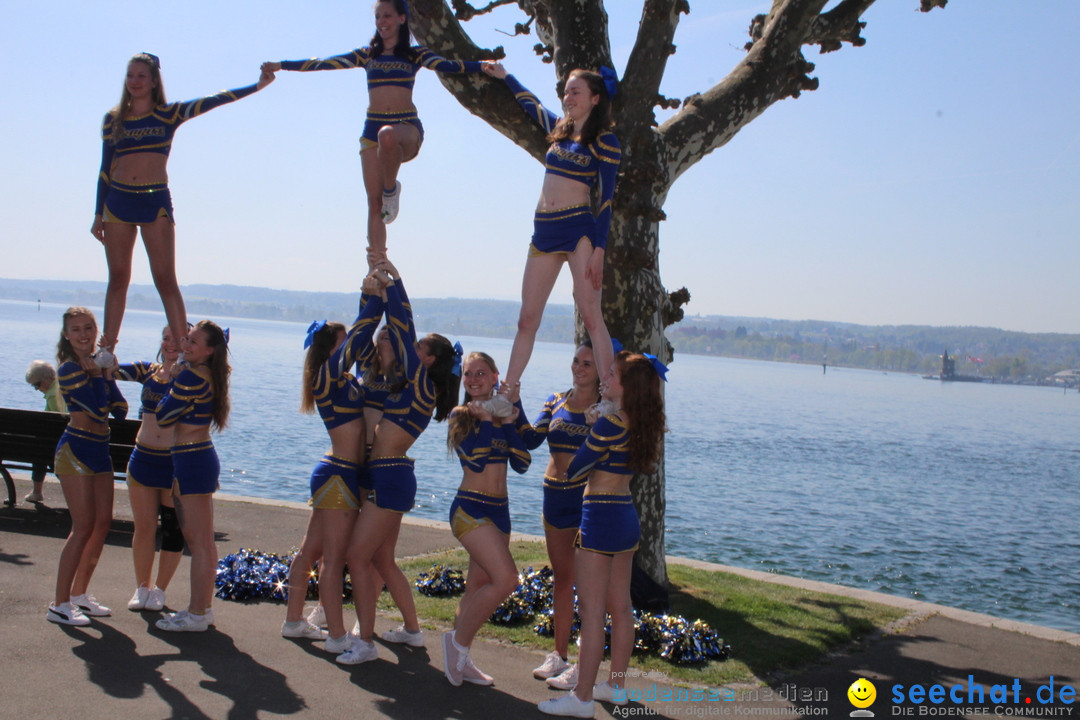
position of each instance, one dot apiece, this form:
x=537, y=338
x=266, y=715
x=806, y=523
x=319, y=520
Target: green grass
x=771, y=628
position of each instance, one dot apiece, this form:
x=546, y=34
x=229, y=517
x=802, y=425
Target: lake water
x=962, y=494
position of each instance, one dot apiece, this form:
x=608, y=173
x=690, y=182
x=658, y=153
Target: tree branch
x=773, y=69
x=648, y=60
x=435, y=26
x=579, y=34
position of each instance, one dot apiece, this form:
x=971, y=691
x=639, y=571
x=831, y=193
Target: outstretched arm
x=431, y=61
x=528, y=102
x=346, y=61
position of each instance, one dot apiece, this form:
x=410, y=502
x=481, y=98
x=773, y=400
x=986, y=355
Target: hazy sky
x=932, y=179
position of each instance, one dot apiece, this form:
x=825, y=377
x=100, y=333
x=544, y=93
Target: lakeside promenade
x=122, y=667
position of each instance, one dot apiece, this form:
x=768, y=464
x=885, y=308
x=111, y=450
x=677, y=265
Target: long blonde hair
x=122, y=111
x=322, y=347
x=461, y=421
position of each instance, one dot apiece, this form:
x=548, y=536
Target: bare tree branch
x=841, y=24
x=773, y=69
x=464, y=10
x=580, y=36
x=434, y=25
x=648, y=60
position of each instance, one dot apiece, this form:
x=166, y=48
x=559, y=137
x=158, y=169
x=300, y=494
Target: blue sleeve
x=431, y=61
x=184, y=111
x=607, y=151
x=118, y=406
x=475, y=449
x=83, y=393
x=357, y=58
x=531, y=105
x=531, y=435
x=594, y=449
x=107, y=152
x=519, y=456
x=537, y=431
x=185, y=389
x=402, y=329
x=358, y=340
x=134, y=372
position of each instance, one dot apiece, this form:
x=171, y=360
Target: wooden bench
x=29, y=437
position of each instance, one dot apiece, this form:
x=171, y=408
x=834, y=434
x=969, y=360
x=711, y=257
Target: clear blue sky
x=932, y=179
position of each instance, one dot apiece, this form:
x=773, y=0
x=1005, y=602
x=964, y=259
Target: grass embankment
x=771, y=628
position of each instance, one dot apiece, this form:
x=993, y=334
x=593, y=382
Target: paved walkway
x=123, y=667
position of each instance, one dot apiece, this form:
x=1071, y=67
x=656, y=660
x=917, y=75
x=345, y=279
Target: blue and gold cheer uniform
x=190, y=401
x=84, y=452
x=596, y=163
x=148, y=465
x=152, y=132
x=609, y=522
x=486, y=445
x=393, y=479
x=565, y=431
x=386, y=70
x=338, y=483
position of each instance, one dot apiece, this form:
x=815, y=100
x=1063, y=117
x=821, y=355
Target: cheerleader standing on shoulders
x=392, y=132
x=583, y=153
x=197, y=401
x=563, y=423
x=480, y=513
x=150, y=480
x=430, y=388
x=619, y=445
x=83, y=466
x=337, y=483
x=133, y=190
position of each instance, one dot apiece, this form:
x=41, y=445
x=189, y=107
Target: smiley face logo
x=862, y=693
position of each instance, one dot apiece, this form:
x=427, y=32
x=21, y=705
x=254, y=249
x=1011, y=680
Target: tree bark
x=637, y=308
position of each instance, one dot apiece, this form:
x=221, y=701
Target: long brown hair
x=322, y=347
x=122, y=111
x=643, y=403
x=445, y=381
x=64, y=350
x=403, y=47
x=219, y=371
x=462, y=421
x=599, y=119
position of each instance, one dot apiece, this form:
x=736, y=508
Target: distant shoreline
x=1001, y=356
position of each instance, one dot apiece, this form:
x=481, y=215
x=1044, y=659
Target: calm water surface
x=961, y=494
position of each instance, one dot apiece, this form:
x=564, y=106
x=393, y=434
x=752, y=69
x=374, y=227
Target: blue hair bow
x=616, y=346
x=458, y=351
x=659, y=367
x=225, y=332
x=313, y=328
x=611, y=81
x=155, y=58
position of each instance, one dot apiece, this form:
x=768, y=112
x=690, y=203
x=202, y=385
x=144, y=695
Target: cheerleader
x=197, y=401
x=564, y=425
x=83, y=466
x=150, y=480
x=584, y=153
x=133, y=191
x=392, y=132
x=430, y=388
x=480, y=513
x=338, y=485
x=620, y=444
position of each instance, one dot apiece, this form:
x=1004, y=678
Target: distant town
x=989, y=354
